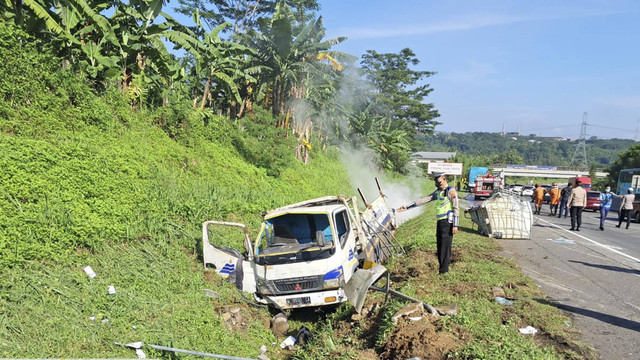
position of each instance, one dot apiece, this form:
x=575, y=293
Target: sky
x=536, y=66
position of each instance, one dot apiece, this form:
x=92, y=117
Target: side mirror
x=320, y=238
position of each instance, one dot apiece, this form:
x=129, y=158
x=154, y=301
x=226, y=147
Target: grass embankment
x=483, y=328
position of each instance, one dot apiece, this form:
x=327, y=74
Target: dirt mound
x=423, y=339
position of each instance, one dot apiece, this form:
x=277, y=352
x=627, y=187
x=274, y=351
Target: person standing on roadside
x=626, y=207
x=564, y=197
x=605, y=205
x=554, y=198
x=447, y=215
x=577, y=202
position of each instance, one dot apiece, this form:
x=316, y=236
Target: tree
x=244, y=15
x=398, y=90
x=290, y=58
x=628, y=159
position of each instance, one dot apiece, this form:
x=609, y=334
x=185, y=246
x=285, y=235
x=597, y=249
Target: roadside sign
x=447, y=168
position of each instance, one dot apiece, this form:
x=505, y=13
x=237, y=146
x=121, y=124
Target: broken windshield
x=292, y=233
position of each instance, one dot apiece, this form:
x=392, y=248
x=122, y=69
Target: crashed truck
x=313, y=253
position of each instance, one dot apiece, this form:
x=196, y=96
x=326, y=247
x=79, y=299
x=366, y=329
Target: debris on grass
x=407, y=310
x=529, y=330
x=503, y=301
x=111, y=290
x=288, y=343
x=211, y=294
x=89, y=271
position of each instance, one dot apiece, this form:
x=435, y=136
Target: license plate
x=299, y=301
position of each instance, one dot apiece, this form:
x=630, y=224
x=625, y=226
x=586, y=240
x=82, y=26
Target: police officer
x=447, y=215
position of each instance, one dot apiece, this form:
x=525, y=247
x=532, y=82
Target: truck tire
x=637, y=217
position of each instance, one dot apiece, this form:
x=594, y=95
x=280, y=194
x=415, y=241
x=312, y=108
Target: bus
x=629, y=178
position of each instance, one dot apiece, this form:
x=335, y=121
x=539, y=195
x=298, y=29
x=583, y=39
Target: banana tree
x=288, y=57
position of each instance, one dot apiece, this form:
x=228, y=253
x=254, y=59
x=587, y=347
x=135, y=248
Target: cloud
x=624, y=102
x=469, y=22
x=475, y=72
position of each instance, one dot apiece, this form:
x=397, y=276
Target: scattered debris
x=451, y=310
x=567, y=324
x=92, y=318
x=279, y=325
x=356, y=317
x=89, y=271
x=198, y=353
x=304, y=335
x=498, y=291
x=211, y=294
x=111, y=290
x=137, y=346
x=134, y=327
x=564, y=241
x=141, y=354
x=529, y=330
x=105, y=320
x=503, y=301
x=415, y=318
x=263, y=353
x=407, y=310
x=288, y=343
x=233, y=318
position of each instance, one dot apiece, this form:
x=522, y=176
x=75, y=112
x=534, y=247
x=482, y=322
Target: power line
x=581, y=149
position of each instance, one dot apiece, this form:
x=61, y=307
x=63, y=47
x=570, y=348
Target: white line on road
x=610, y=248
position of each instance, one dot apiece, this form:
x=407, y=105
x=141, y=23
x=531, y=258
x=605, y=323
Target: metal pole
x=164, y=348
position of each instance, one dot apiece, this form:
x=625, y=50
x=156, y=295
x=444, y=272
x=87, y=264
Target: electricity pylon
x=581, y=150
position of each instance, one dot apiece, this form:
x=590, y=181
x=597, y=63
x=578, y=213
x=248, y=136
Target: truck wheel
x=638, y=217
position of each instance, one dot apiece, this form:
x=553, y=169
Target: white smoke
x=361, y=166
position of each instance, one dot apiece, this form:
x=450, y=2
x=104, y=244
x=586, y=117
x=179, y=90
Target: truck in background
x=486, y=184
x=586, y=181
x=317, y=252
x=474, y=172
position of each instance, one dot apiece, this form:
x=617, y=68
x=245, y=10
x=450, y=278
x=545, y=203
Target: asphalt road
x=593, y=275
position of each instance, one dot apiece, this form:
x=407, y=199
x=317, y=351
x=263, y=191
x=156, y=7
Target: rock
x=498, y=291
x=226, y=317
x=356, y=317
x=451, y=310
x=279, y=325
x=407, y=310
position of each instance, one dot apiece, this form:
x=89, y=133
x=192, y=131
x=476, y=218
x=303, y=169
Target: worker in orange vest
x=554, y=193
x=538, y=196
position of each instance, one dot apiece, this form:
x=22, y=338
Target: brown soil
x=424, y=339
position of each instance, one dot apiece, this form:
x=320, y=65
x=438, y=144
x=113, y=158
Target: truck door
x=228, y=262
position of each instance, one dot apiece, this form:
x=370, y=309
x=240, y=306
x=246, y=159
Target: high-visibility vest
x=443, y=204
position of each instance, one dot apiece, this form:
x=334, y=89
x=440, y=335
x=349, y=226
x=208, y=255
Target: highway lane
x=598, y=271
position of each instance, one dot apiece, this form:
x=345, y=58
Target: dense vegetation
x=497, y=149
x=238, y=57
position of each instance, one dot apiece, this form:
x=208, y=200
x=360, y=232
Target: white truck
x=313, y=253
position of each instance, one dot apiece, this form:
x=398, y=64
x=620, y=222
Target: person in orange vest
x=554, y=200
x=538, y=196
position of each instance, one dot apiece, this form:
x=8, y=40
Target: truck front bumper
x=318, y=298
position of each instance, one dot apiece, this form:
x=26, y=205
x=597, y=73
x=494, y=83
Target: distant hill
x=534, y=150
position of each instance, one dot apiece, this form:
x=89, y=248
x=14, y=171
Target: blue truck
x=474, y=172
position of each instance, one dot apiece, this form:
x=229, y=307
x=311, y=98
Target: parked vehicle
x=474, y=172
x=313, y=253
x=636, y=209
x=547, y=197
x=517, y=189
x=527, y=191
x=593, y=200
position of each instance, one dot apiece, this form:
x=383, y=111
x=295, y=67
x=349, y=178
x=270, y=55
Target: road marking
x=610, y=248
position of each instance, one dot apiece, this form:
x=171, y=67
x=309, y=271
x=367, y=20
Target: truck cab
x=304, y=253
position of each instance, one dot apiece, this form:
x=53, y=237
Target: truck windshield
x=294, y=237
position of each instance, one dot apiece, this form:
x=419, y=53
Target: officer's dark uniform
x=447, y=215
